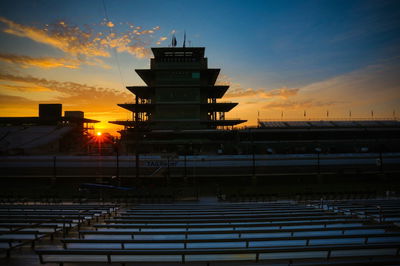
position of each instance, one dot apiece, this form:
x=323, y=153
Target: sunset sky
x=279, y=57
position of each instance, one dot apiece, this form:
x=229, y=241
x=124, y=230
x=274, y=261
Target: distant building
x=325, y=136
x=50, y=113
x=49, y=133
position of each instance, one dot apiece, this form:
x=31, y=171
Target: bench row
x=321, y=252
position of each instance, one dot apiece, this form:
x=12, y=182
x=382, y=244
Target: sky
x=288, y=60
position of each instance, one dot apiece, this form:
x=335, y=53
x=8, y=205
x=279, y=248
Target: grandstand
x=344, y=232
x=329, y=124
x=31, y=139
x=27, y=224
x=49, y=133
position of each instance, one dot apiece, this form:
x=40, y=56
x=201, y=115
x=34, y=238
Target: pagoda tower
x=180, y=94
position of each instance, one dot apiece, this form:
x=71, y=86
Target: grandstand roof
x=329, y=124
x=22, y=137
x=38, y=120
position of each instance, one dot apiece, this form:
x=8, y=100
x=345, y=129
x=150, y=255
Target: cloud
x=370, y=85
x=69, y=39
x=163, y=38
x=262, y=93
x=17, y=106
x=42, y=62
x=22, y=87
x=237, y=91
x=301, y=104
x=82, y=96
x=87, y=42
x=97, y=102
x=375, y=87
x=282, y=92
x=226, y=80
x=15, y=101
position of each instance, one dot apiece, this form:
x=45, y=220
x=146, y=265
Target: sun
x=99, y=134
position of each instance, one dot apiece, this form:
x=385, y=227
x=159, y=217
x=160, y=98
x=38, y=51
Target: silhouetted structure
x=180, y=95
x=49, y=133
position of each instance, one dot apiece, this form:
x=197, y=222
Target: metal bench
x=13, y=239
x=320, y=253
x=236, y=225
x=223, y=220
x=236, y=233
x=245, y=242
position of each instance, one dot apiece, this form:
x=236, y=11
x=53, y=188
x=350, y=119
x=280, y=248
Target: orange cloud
x=16, y=101
x=72, y=93
x=110, y=24
x=74, y=96
x=87, y=43
x=69, y=39
x=236, y=90
x=375, y=87
x=163, y=38
x=42, y=62
x=22, y=88
x=261, y=93
x=301, y=104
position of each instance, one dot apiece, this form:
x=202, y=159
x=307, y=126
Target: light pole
x=137, y=167
x=185, y=162
x=117, y=161
x=318, y=150
x=53, y=182
x=253, y=158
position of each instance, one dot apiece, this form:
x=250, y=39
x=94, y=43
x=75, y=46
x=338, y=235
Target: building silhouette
x=48, y=133
x=180, y=95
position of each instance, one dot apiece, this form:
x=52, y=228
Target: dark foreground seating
x=275, y=254
x=24, y=224
x=13, y=239
x=380, y=210
x=244, y=242
x=267, y=233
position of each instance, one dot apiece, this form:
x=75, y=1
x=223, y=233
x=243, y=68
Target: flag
x=173, y=41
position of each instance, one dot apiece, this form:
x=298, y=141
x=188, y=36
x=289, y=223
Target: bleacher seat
x=285, y=232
